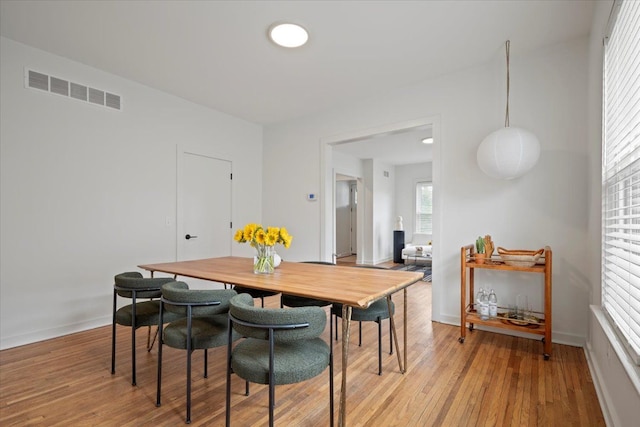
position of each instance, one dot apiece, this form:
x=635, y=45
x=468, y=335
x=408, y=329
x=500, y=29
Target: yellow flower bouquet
x=263, y=239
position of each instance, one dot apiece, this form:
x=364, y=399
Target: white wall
x=383, y=211
x=86, y=190
x=406, y=178
x=616, y=377
x=545, y=207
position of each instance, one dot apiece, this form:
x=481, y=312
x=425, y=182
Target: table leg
x=346, y=329
x=395, y=334
x=405, y=330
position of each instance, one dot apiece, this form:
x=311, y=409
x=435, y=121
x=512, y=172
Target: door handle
x=189, y=236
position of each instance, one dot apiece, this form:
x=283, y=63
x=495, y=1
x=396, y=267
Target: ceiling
x=216, y=53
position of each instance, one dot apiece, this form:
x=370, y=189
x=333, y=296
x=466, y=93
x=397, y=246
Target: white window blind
x=621, y=174
x=424, y=207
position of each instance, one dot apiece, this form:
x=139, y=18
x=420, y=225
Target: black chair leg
x=379, y=346
x=113, y=336
x=133, y=341
x=360, y=334
x=151, y=344
x=159, y=371
x=206, y=357
x=188, y=421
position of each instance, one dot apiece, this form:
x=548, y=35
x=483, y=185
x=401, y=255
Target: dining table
x=349, y=286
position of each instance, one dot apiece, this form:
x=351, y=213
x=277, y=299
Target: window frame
x=620, y=254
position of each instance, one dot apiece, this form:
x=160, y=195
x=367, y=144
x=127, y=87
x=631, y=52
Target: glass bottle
x=493, y=304
x=484, y=306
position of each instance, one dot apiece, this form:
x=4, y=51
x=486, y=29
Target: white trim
x=596, y=374
x=632, y=370
x=57, y=332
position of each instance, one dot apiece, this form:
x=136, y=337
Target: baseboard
x=596, y=375
x=46, y=334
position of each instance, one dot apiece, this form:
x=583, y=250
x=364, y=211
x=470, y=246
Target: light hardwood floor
x=491, y=379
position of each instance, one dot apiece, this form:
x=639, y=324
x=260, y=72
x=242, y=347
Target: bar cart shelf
x=538, y=324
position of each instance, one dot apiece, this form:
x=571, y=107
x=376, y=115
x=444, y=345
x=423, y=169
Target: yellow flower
x=272, y=236
x=260, y=236
x=285, y=237
x=249, y=231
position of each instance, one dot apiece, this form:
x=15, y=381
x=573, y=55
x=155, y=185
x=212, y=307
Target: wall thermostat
x=312, y=197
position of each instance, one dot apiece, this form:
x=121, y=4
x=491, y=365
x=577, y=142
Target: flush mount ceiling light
x=510, y=152
x=288, y=35
x=427, y=140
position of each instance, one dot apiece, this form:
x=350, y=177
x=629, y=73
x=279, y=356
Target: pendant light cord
x=506, y=118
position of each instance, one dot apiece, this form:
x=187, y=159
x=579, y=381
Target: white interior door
x=343, y=219
x=204, y=207
x=353, y=196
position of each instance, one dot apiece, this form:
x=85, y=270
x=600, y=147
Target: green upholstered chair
x=283, y=346
x=296, y=301
x=203, y=325
x=139, y=313
x=376, y=312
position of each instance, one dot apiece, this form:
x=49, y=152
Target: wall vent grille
x=36, y=80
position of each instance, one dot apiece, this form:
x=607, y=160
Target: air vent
x=79, y=91
x=36, y=80
x=59, y=86
x=112, y=101
x=96, y=96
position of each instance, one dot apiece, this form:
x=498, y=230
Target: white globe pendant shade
x=508, y=153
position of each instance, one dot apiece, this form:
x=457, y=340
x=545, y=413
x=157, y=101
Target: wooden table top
x=357, y=287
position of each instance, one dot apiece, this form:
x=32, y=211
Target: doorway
x=346, y=205
x=370, y=141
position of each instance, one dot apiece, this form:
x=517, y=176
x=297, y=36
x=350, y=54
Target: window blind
x=621, y=174
x=424, y=207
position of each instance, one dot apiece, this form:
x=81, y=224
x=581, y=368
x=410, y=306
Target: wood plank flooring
x=490, y=380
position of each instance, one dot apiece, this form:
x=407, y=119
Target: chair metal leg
x=379, y=321
x=188, y=420
x=206, y=357
x=155, y=336
x=159, y=359
x=189, y=353
x=228, y=398
x=360, y=334
x=271, y=376
x=133, y=340
x=113, y=335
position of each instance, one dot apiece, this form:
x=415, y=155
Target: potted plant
x=480, y=254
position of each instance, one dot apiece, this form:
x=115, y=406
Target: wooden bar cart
x=539, y=323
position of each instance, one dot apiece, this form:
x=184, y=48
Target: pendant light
x=510, y=152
